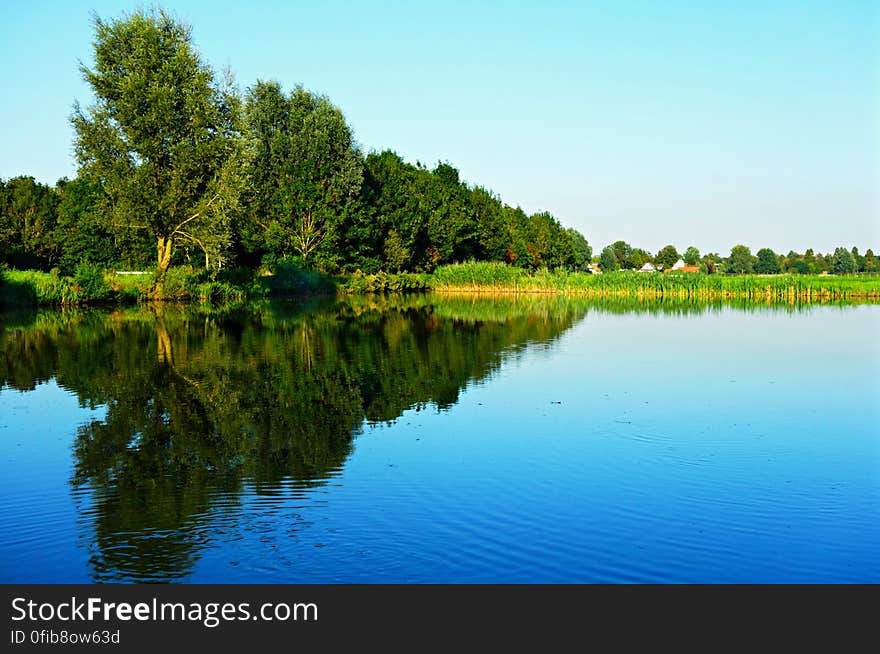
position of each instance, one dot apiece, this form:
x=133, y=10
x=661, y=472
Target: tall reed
x=502, y=278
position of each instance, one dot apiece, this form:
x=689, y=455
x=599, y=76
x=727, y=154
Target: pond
x=441, y=439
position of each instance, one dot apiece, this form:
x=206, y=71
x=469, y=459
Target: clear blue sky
x=706, y=123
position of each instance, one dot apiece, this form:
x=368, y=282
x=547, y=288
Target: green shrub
x=130, y=288
x=179, y=283
x=382, y=282
x=288, y=279
x=90, y=279
x=224, y=292
x=239, y=276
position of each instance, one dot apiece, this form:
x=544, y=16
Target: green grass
x=185, y=284
x=381, y=282
x=88, y=285
x=91, y=285
x=129, y=288
x=31, y=287
x=502, y=278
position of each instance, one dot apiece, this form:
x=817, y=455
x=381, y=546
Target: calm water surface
x=439, y=439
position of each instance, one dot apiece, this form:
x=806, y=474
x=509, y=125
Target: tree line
x=622, y=256
x=177, y=167
x=44, y=227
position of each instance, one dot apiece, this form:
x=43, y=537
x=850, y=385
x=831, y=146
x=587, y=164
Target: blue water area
x=442, y=439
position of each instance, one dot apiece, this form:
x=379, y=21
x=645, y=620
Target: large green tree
x=163, y=137
x=691, y=256
x=390, y=232
x=306, y=174
x=548, y=245
x=815, y=262
x=623, y=252
x=859, y=259
x=80, y=232
x=667, y=257
x=452, y=232
x=741, y=260
x=583, y=251
x=768, y=262
x=844, y=262
x=492, y=235
x=608, y=261
x=871, y=263
x=28, y=212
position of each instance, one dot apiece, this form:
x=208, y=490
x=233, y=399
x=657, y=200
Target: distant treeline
x=177, y=167
x=622, y=256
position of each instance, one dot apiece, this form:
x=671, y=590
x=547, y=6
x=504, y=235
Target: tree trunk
x=164, y=252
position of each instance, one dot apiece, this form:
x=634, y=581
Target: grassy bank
x=90, y=285
x=501, y=278
x=95, y=286
x=31, y=287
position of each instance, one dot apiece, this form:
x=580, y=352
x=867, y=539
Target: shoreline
x=34, y=288
x=808, y=296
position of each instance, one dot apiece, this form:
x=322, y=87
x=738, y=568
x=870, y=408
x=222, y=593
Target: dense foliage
x=163, y=137
x=177, y=168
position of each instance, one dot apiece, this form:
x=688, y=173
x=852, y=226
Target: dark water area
x=441, y=439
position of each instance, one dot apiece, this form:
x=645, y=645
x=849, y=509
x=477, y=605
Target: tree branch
x=197, y=242
x=195, y=215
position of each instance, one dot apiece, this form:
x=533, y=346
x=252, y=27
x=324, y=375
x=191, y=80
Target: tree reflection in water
x=205, y=404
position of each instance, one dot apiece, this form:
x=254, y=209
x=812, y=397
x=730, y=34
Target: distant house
x=593, y=269
x=648, y=267
x=680, y=266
